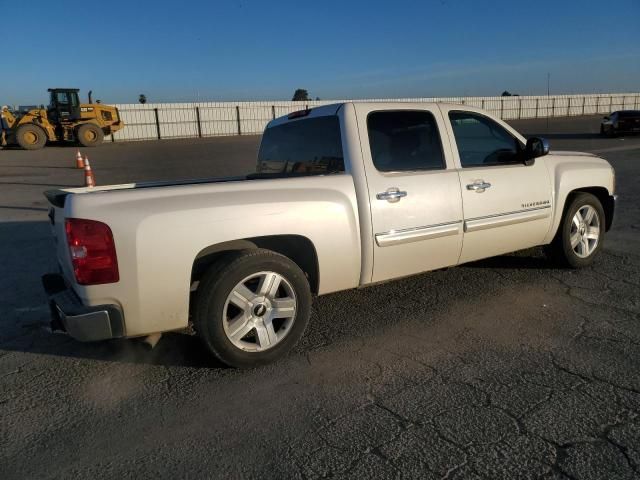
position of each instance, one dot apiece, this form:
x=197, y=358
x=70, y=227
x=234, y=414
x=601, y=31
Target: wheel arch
x=601, y=193
x=90, y=121
x=298, y=248
x=606, y=200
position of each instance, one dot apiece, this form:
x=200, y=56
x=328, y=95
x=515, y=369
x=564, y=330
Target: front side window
x=404, y=140
x=483, y=142
x=311, y=146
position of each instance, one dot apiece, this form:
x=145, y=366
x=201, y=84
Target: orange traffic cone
x=79, y=161
x=89, y=179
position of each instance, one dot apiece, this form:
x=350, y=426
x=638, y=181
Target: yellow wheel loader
x=65, y=119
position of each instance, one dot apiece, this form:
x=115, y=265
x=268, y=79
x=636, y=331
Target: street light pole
x=548, y=95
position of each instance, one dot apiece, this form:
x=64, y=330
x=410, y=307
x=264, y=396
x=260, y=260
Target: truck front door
x=507, y=204
x=414, y=190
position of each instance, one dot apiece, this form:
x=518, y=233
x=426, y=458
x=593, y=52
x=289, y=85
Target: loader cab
x=64, y=105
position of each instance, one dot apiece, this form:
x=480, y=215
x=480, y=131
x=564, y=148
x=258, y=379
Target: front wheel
x=252, y=307
x=581, y=232
x=31, y=137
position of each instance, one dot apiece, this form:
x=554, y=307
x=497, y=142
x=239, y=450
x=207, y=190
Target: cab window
x=63, y=98
x=404, y=140
x=311, y=146
x=482, y=141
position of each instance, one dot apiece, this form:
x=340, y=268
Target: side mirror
x=606, y=117
x=536, y=147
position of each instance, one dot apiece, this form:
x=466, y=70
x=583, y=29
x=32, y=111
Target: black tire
x=89, y=135
x=217, y=284
x=31, y=137
x=560, y=248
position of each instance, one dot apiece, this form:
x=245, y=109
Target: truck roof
x=333, y=108
x=58, y=90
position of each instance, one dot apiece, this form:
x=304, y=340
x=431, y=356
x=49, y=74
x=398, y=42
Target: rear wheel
x=90, y=135
x=252, y=307
x=581, y=233
x=31, y=137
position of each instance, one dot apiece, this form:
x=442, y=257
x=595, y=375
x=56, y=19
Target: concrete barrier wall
x=205, y=119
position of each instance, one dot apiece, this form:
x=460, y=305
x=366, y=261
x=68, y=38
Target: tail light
x=93, y=251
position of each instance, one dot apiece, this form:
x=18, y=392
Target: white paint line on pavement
x=616, y=149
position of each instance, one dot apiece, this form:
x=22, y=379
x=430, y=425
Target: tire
x=237, y=331
x=31, y=137
x=576, y=243
x=89, y=135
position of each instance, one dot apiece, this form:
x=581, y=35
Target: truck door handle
x=392, y=195
x=479, y=186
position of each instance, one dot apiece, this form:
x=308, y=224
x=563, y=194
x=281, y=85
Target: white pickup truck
x=344, y=196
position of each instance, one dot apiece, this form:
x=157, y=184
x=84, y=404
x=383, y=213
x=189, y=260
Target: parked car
x=623, y=121
x=344, y=196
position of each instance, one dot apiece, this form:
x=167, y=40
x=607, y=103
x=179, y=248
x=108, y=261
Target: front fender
x=570, y=172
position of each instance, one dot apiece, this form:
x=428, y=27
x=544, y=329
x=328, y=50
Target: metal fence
x=208, y=119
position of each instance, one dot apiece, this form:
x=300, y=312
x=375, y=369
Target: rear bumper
x=86, y=324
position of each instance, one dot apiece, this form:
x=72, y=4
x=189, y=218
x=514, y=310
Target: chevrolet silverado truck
x=343, y=196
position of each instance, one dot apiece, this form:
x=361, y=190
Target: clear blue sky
x=249, y=49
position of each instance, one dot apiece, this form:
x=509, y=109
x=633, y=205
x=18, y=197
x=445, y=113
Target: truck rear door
x=414, y=190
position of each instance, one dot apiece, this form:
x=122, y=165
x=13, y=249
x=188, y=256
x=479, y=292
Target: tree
x=300, y=95
x=142, y=98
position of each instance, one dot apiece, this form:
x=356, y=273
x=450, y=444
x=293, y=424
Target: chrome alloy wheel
x=259, y=311
x=585, y=231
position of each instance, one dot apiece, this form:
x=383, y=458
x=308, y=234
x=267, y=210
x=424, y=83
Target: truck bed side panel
x=159, y=232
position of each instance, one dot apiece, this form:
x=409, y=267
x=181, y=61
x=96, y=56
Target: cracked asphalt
x=501, y=369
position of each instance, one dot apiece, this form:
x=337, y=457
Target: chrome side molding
x=417, y=234
x=507, y=219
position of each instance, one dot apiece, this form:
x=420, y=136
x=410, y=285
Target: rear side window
x=404, y=141
x=312, y=146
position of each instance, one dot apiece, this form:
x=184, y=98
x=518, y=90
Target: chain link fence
x=209, y=119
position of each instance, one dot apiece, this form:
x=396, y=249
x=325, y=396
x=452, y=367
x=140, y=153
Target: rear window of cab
x=310, y=146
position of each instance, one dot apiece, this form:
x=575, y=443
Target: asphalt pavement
x=501, y=369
